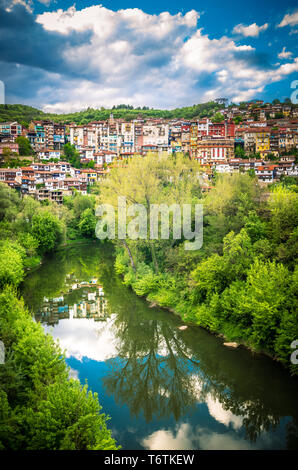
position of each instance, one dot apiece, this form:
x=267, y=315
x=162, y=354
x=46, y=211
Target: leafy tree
x=9, y=201
x=72, y=155
x=87, y=223
x=81, y=203
x=11, y=265
x=268, y=284
x=218, y=117
x=46, y=229
x=239, y=151
x=24, y=145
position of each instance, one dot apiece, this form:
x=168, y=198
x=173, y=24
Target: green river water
x=162, y=387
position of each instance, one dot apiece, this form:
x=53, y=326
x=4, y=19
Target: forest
x=242, y=283
x=24, y=114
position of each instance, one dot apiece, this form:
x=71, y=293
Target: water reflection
x=162, y=387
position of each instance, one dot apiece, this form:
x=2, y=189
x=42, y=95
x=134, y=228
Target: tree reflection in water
x=162, y=372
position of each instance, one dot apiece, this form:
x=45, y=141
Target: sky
x=62, y=56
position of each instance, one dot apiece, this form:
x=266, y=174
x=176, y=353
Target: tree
x=72, y=155
x=46, y=228
x=87, y=223
x=80, y=203
x=239, y=151
x=169, y=180
x=217, y=117
x=9, y=202
x=11, y=265
x=24, y=145
x=268, y=284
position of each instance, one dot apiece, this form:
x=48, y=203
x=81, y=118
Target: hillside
x=24, y=114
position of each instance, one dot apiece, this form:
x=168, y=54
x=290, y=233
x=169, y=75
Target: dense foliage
x=242, y=283
x=24, y=146
x=40, y=408
x=29, y=229
x=24, y=114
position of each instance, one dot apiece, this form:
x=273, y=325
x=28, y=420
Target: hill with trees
x=24, y=114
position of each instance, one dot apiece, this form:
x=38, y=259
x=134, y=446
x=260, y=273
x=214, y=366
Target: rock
x=182, y=327
x=152, y=305
x=231, y=345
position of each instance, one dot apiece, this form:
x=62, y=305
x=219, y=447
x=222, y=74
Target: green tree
x=24, y=146
x=268, y=284
x=217, y=117
x=46, y=229
x=72, y=155
x=11, y=265
x=87, y=223
x=80, y=203
x=9, y=202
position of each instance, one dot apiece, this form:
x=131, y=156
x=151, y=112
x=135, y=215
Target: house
x=10, y=145
x=47, y=154
x=214, y=148
x=266, y=173
x=12, y=128
x=104, y=157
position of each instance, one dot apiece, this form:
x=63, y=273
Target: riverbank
x=225, y=339
x=164, y=291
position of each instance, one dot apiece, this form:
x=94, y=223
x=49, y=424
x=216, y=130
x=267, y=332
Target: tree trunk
x=129, y=254
x=153, y=256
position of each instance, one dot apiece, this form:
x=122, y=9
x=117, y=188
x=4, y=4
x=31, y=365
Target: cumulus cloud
x=85, y=338
x=284, y=54
x=186, y=437
x=289, y=20
x=99, y=57
x=226, y=417
x=252, y=30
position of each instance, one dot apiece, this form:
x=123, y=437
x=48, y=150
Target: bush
x=40, y=408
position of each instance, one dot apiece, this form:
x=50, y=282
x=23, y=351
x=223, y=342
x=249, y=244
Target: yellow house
x=263, y=141
x=91, y=175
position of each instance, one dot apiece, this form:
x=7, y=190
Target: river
x=163, y=388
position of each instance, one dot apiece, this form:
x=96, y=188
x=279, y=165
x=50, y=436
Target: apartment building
x=11, y=128
x=211, y=149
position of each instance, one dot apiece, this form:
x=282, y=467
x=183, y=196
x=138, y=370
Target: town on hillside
x=258, y=137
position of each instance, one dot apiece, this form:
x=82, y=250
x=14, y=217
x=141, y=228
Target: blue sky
x=64, y=56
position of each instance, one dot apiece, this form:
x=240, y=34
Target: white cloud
x=164, y=61
x=104, y=21
x=27, y=4
x=73, y=374
x=221, y=415
x=186, y=437
x=180, y=439
x=81, y=337
x=289, y=20
x=284, y=54
x=253, y=30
